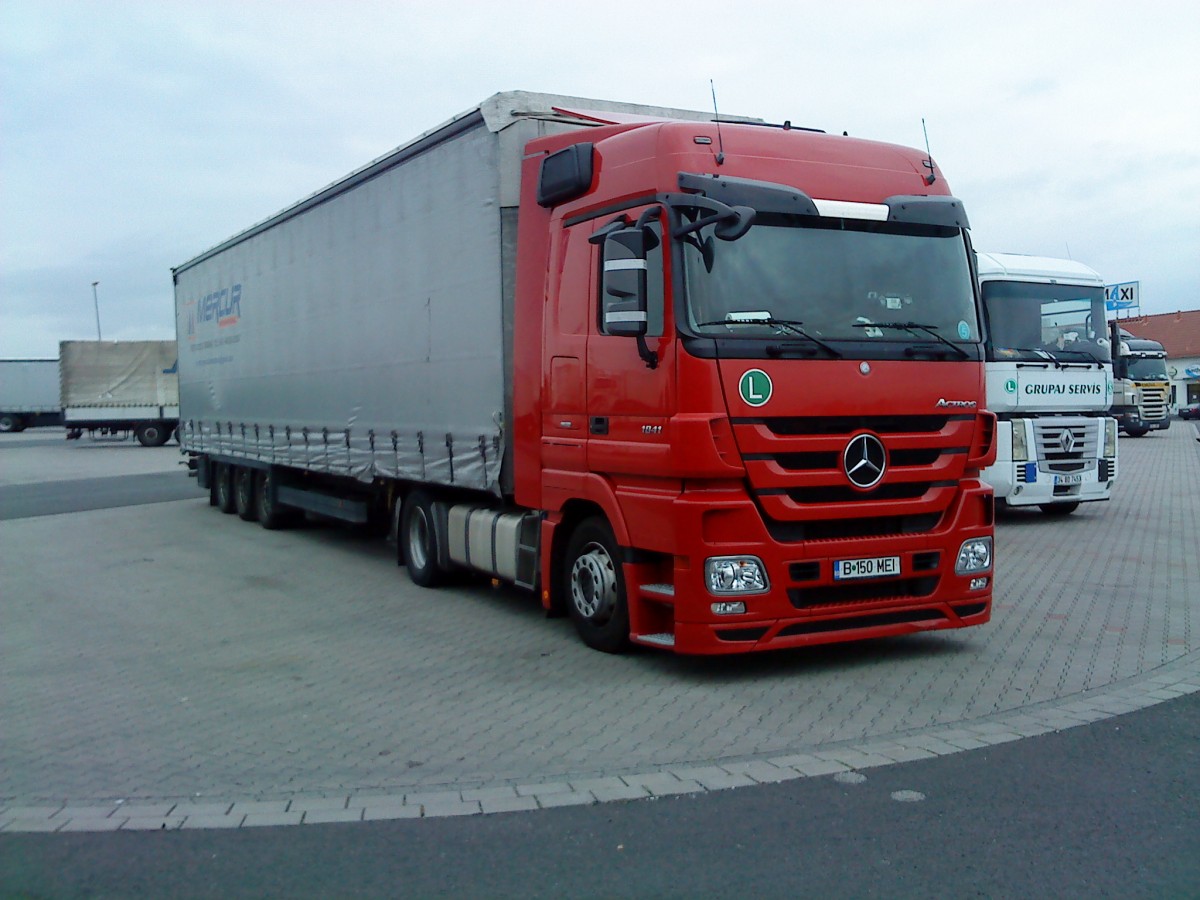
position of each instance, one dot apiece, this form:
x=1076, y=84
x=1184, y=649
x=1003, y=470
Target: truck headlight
x=1020, y=450
x=974, y=555
x=1110, y=438
x=735, y=575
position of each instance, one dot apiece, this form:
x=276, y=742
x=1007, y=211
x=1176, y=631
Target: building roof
x=1178, y=332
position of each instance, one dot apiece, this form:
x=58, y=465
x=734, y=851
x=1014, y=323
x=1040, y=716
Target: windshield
x=1147, y=369
x=1036, y=321
x=840, y=279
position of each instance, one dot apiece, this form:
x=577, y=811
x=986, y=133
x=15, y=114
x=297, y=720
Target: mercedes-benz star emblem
x=864, y=461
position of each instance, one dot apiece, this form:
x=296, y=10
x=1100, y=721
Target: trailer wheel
x=152, y=434
x=417, y=545
x=1137, y=432
x=1059, y=509
x=9, y=422
x=223, y=487
x=271, y=513
x=244, y=496
x=594, y=586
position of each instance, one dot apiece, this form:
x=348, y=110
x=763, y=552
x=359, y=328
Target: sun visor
x=762, y=196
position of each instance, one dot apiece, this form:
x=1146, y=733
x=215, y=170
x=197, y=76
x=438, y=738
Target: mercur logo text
x=223, y=306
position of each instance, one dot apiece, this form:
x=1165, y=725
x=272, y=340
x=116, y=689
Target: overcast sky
x=135, y=135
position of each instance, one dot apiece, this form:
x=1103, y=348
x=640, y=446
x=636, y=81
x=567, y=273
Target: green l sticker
x=755, y=387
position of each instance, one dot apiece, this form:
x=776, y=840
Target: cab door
x=630, y=403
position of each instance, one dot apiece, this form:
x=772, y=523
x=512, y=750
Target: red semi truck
x=705, y=386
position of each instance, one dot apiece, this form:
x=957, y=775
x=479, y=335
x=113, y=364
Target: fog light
x=735, y=575
x=974, y=555
x=978, y=584
x=728, y=608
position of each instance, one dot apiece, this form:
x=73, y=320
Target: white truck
x=28, y=394
x=1049, y=382
x=120, y=387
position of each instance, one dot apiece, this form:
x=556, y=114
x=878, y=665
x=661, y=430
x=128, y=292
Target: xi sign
x=1122, y=296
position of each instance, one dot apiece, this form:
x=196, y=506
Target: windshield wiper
x=916, y=328
x=1085, y=353
x=790, y=325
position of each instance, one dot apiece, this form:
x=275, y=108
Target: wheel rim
x=418, y=538
x=594, y=583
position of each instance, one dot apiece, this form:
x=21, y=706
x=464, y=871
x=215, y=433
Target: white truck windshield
x=1029, y=321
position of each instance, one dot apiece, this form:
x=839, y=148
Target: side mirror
x=732, y=228
x=624, y=294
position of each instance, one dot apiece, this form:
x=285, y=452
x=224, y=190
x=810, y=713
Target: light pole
x=96, y=302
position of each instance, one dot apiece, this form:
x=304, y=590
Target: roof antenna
x=932, y=176
x=717, y=119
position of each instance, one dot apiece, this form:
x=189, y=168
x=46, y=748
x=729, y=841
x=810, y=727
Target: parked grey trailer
x=28, y=394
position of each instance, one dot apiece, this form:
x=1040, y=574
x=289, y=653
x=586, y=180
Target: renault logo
x=864, y=461
x=1066, y=440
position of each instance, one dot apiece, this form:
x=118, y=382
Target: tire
x=1059, y=509
x=245, y=498
x=9, y=423
x=223, y=488
x=152, y=434
x=594, y=587
x=272, y=515
x=1137, y=432
x=417, y=542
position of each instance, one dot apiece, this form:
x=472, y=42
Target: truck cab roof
x=1019, y=266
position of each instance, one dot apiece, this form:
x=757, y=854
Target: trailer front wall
x=362, y=336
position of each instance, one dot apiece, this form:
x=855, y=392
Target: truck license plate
x=1068, y=479
x=872, y=567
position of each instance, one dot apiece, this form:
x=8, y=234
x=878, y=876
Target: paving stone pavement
x=165, y=667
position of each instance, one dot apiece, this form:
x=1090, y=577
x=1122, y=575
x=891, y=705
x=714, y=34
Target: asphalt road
x=23, y=501
x=1106, y=810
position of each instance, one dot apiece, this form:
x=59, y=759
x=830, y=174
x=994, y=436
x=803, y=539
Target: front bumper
x=805, y=604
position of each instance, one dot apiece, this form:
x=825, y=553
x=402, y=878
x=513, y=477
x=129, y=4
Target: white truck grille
x=1067, y=444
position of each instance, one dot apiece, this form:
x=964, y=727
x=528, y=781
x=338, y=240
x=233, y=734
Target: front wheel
x=417, y=546
x=1060, y=509
x=594, y=584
